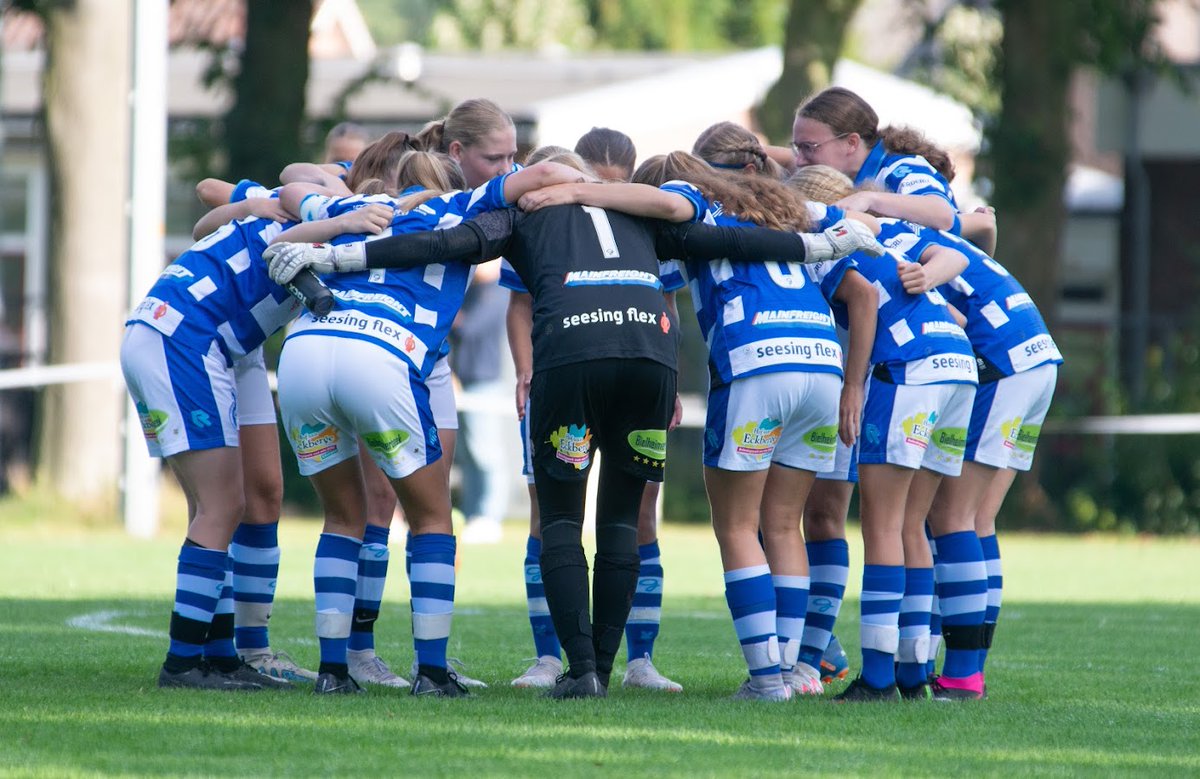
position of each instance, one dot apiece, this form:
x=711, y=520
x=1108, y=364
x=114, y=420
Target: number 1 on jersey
x=604, y=233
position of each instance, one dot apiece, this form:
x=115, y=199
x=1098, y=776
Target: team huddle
x=858, y=331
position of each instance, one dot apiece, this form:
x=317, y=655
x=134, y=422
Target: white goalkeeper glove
x=846, y=236
x=285, y=260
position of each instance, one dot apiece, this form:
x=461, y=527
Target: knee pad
x=612, y=561
x=560, y=557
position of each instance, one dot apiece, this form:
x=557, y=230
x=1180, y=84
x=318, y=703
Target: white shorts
x=441, y=395
x=916, y=426
x=1007, y=418
x=256, y=404
x=789, y=418
x=333, y=390
x=526, y=447
x=845, y=464
x=186, y=401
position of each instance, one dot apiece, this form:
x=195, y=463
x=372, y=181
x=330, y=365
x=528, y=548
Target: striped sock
x=791, y=603
x=828, y=568
x=432, y=596
x=199, y=579
x=368, y=591
x=991, y=559
x=962, y=594
x=751, y=599
x=545, y=640
x=335, y=571
x=882, y=590
x=935, y=612
x=255, y=554
x=218, y=645
x=913, y=651
x=641, y=629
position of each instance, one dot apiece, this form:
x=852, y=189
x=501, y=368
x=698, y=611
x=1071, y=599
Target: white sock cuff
x=881, y=638
x=913, y=650
x=430, y=627
x=333, y=624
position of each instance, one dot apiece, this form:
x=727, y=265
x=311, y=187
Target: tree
x=85, y=91
x=811, y=46
x=263, y=129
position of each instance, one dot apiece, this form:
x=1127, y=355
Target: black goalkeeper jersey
x=594, y=279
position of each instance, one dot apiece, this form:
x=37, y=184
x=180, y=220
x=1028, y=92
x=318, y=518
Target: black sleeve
x=698, y=241
x=475, y=241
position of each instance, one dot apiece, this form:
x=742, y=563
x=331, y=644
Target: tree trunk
x=811, y=46
x=1030, y=143
x=263, y=129
x=86, y=89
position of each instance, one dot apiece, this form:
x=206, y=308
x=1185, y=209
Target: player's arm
x=696, y=241
x=293, y=195
x=938, y=264
x=861, y=300
x=214, y=192
x=635, y=199
x=328, y=176
x=930, y=210
x=979, y=227
x=369, y=220
x=544, y=174
x=262, y=207
x=475, y=241
x=518, y=323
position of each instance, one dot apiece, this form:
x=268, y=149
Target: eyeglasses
x=808, y=149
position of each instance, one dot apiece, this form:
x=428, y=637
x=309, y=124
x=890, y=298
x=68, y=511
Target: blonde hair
x=542, y=153
x=468, y=123
x=821, y=183
x=845, y=112
x=730, y=146
x=437, y=173
x=759, y=199
x=374, y=170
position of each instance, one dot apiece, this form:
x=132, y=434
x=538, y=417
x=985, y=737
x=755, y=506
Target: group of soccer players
x=857, y=329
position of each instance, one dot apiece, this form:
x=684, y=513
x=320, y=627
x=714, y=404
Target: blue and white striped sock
x=991, y=559
x=368, y=591
x=432, y=579
x=218, y=647
x=751, y=599
x=545, y=640
x=935, y=612
x=828, y=569
x=641, y=629
x=199, y=579
x=791, y=604
x=335, y=572
x=255, y=554
x=882, y=590
x=915, y=608
x=962, y=593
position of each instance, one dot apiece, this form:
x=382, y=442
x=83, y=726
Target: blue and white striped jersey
x=906, y=174
x=246, y=189
x=917, y=340
x=763, y=317
x=219, y=290
x=409, y=312
x=1003, y=323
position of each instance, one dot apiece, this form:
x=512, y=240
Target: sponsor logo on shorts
x=573, y=445
x=1027, y=438
x=591, y=278
x=388, y=443
x=651, y=444
x=871, y=431
x=823, y=439
x=757, y=439
x=153, y=421
x=314, y=443
x=951, y=440
x=918, y=428
x=1011, y=429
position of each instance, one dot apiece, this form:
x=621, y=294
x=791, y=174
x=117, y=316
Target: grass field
x=1095, y=671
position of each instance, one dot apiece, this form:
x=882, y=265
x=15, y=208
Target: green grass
x=1095, y=672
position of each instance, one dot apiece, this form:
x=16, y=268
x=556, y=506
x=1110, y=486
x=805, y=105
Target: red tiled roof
x=213, y=22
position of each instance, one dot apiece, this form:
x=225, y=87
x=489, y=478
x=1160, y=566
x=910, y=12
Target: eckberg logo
x=1010, y=429
x=314, y=442
x=153, y=421
x=757, y=438
x=918, y=427
x=573, y=445
x=651, y=444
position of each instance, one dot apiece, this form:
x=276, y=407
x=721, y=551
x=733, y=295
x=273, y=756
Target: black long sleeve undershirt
x=485, y=238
